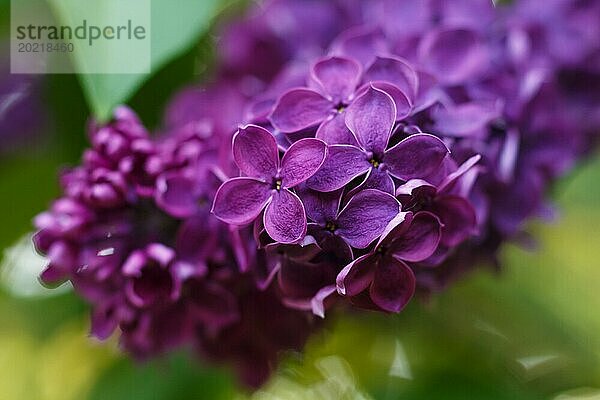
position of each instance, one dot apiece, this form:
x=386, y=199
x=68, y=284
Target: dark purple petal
x=393, y=285
x=458, y=217
x=342, y=165
x=212, y=304
x=336, y=77
x=302, y=251
x=396, y=227
x=415, y=157
x=299, y=109
x=255, y=152
x=371, y=119
x=332, y=244
x=302, y=280
x=285, y=218
x=301, y=161
x=420, y=240
x=377, y=178
x=240, y=200
x=358, y=275
x=453, y=54
x=395, y=71
x=102, y=325
x=334, y=131
x=365, y=217
x=321, y=207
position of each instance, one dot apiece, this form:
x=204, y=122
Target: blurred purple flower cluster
x=355, y=152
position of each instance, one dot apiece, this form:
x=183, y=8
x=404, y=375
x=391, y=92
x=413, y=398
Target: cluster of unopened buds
x=357, y=154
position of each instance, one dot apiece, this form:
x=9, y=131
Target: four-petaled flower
x=371, y=118
x=267, y=182
x=446, y=200
x=356, y=225
x=381, y=279
x=334, y=83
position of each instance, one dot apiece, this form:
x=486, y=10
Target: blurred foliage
x=175, y=27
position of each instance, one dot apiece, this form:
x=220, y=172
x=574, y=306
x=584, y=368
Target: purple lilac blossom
x=143, y=250
x=267, y=182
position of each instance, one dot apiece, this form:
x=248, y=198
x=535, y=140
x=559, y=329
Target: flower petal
x=240, y=200
x=299, y=109
x=302, y=160
x=358, y=275
x=334, y=131
x=321, y=207
x=396, y=227
x=302, y=280
x=404, y=105
x=415, y=157
x=465, y=120
x=255, y=152
x=337, y=77
x=420, y=240
x=342, y=165
x=365, y=217
x=453, y=54
x=395, y=71
x=458, y=217
x=371, y=119
x=331, y=244
x=376, y=179
x=175, y=194
x=429, y=91
x=285, y=218
x=322, y=300
x=451, y=179
x=393, y=285
x=361, y=43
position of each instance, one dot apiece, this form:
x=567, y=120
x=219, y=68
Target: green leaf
x=175, y=27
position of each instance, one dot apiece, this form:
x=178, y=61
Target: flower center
x=277, y=184
x=498, y=127
x=331, y=226
x=340, y=107
x=375, y=162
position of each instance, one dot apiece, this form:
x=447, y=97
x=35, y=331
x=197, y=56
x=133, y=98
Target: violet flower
x=446, y=201
x=360, y=222
x=334, y=83
x=381, y=279
x=267, y=183
x=371, y=119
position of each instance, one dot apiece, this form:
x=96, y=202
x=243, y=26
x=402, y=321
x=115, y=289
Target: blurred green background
x=530, y=332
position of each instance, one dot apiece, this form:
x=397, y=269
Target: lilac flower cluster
x=351, y=152
x=133, y=235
